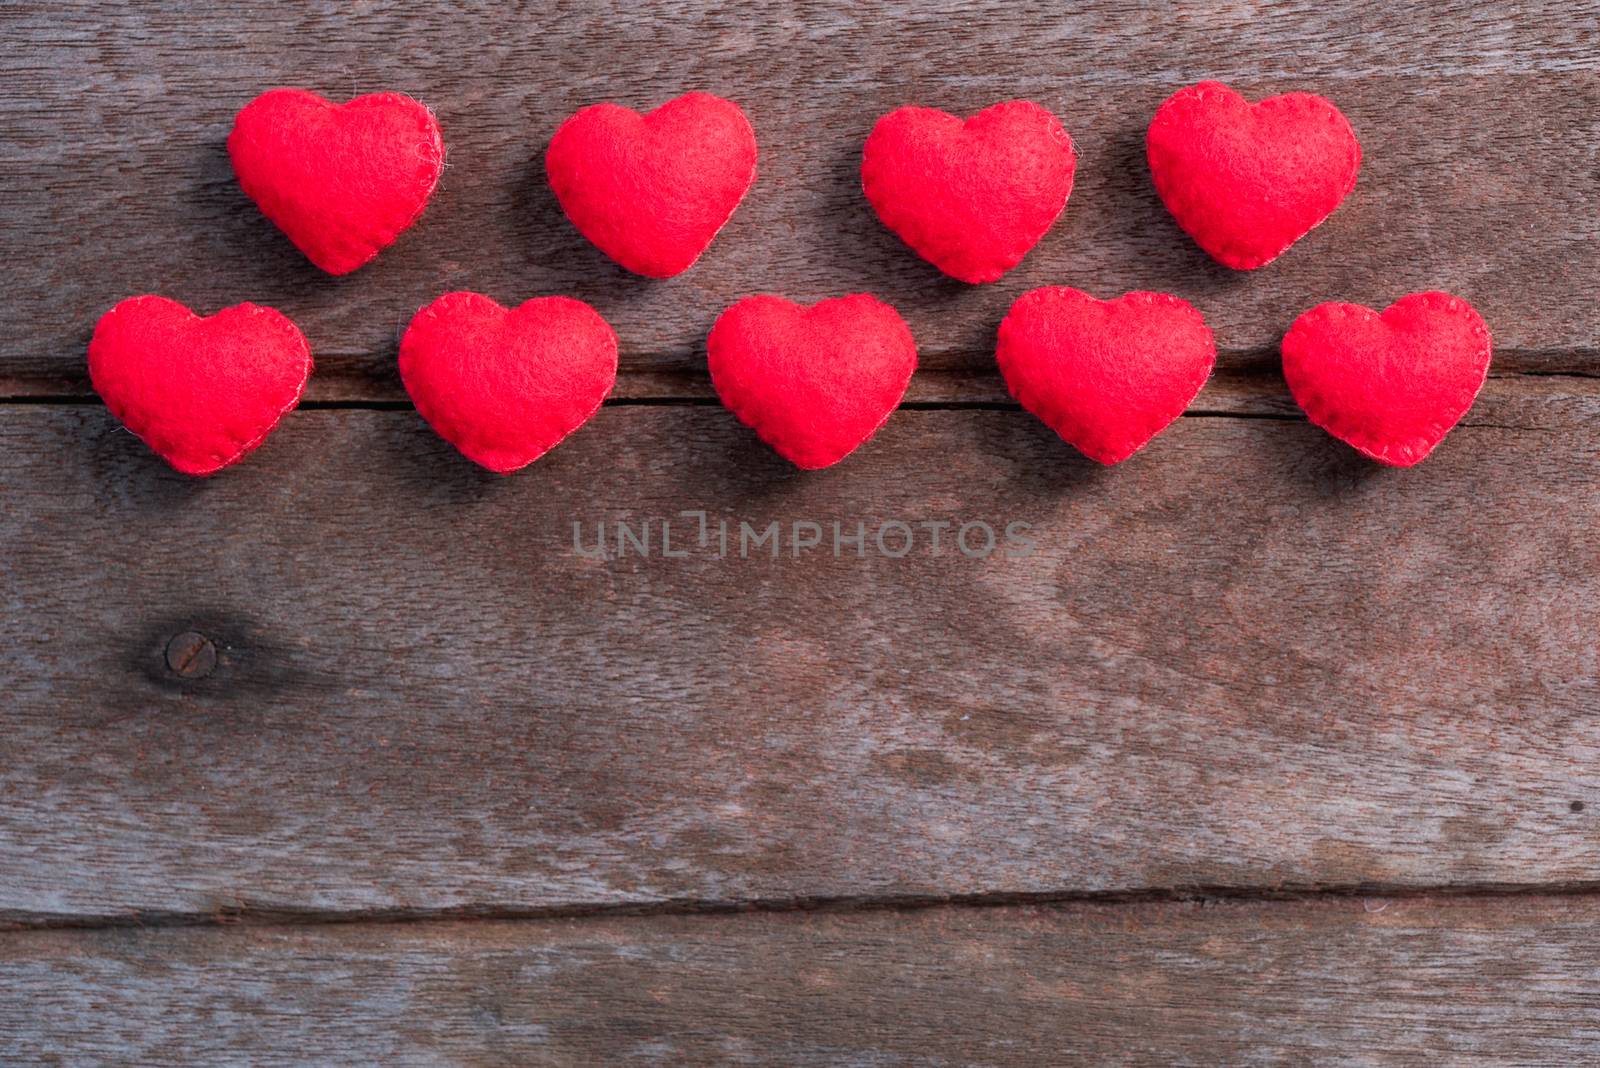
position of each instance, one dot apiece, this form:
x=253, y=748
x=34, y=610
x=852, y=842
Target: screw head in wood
x=191, y=655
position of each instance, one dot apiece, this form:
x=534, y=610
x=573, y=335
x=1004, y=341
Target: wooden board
x=1338, y=982
x=357, y=680
x=1478, y=123
x=1246, y=658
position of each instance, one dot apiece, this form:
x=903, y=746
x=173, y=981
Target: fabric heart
x=341, y=180
x=969, y=197
x=651, y=191
x=813, y=383
x=201, y=392
x=1393, y=384
x=1107, y=375
x=506, y=386
x=1245, y=180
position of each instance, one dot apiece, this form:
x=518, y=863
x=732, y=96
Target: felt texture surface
x=812, y=382
x=969, y=197
x=201, y=392
x=1246, y=180
x=342, y=181
x=1390, y=384
x=506, y=386
x=652, y=191
x=1106, y=375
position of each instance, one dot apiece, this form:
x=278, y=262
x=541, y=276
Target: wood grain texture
x=1245, y=658
x=1479, y=123
x=1345, y=983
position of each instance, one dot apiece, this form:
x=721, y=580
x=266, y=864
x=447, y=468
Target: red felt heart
x=202, y=392
x=813, y=383
x=1107, y=375
x=969, y=197
x=1393, y=384
x=506, y=386
x=1245, y=180
x=341, y=180
x=651, y=191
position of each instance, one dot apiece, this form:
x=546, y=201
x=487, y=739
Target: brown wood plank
x=1478, y=122
x=1245, y=658
x=1341, y=983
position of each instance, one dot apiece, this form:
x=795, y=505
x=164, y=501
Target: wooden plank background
x=1479, y=125
x=982, y=809
x=1333, y=982
x=1249, y=658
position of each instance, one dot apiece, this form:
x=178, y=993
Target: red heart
x=1245, y=180
x=651, y=191
x=341, y=180
x=970, y=197
x=1394, y=384
x=1107, y=375
x=202, y=392
x=813, y=383
x=506, y=386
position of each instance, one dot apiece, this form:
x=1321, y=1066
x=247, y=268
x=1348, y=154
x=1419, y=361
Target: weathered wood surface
x=1246, y=658
x=1342, y=983
x=1479, y=123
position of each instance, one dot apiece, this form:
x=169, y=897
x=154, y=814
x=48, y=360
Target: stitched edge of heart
x=1230, y=255
x=431, y=165
x=870, y=178
x=430, y=313
x=1033, y=402
x=1401, y=454
x=242, y=447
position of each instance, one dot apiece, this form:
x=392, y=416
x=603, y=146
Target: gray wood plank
x=1245, y=658
x=1341, y=983
x=1478, y=122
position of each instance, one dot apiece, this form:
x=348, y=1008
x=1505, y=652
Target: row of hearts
x=652, y=191
x=973, y=197
x=505, y=386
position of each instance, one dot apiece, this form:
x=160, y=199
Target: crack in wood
x=1196, y=894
